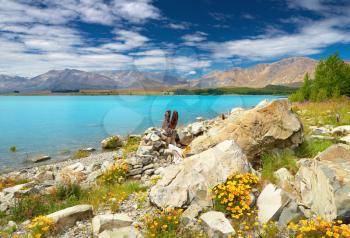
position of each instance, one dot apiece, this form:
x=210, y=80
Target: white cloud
x=311, y=39
x=126, y=40
x=179, y=26
x=192, y=39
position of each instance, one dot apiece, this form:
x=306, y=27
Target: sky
x=179, y=37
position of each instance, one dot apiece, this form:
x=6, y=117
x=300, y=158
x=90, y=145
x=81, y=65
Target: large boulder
x=260, y=129
x=191, y=179
x=324, y=183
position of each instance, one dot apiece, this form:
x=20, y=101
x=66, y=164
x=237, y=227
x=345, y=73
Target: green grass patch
x=273, y=162
x=323, y=113
x=310, y=148
x=30, y=206
x=81, y=154
x=130, y=146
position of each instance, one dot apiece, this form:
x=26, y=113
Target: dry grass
x=323, y=113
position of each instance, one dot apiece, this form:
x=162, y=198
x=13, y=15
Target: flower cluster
x=115, y=174
x=233, y=196
x=319, y=228
x=163, y=224
x=40, y=226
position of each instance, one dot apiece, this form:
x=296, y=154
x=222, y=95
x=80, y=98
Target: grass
x=81, y=154
x=273, y=162
x=323, y=113
x=130, y=146
x=30, y=206
x=10, y=182
x=310, y=148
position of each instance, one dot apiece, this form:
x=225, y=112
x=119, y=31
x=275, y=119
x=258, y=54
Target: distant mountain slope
x=70, y=79
x=289, y=71
x=139, y=80
x=11, y=83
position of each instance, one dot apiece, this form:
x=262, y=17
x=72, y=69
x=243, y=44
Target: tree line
x=331, y=80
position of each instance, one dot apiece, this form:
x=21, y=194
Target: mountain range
x=288, y=71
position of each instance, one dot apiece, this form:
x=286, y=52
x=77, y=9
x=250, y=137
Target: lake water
x=55, y=125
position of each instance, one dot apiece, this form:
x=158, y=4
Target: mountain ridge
x=287, y=71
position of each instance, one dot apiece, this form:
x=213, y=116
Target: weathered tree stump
x=170, y=126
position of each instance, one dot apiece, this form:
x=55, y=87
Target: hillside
x=287, y=71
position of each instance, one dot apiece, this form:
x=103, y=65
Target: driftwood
x=170, y=126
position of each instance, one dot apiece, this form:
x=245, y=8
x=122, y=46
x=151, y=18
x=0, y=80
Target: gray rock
x=190, y=214
x=291, y=213
x=197, y=128
x=191, y=179
x=134, y=172
x=270, y=203
x=68, y=217
x=324, y=183
x=144, y=150
x=341, y=130
x=111, y=143
x=284, y=177
x=345, y=139
x=110, y=221
x=125, y=232
x=40, y=158
x=256, y=131
x=216, y=224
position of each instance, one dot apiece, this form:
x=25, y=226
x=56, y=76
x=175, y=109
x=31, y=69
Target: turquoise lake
x=58, y=125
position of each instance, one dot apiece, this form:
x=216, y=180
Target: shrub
x=28, y=207
x=163, y=223
x=319, y=228
x=13, y=149
x=233, y=196
x=115, y=174
x=296, y=97
x=273, y=162
x=40, y=226
x=65, y=191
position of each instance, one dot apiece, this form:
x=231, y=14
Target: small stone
x=135, y=172
x=40, y=158
x=217, y=225
x=110, y=221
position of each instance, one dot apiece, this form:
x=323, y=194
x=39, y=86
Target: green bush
x=13, y=149
x=68, y=191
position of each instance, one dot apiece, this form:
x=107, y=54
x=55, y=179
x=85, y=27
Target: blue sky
x=186, y=38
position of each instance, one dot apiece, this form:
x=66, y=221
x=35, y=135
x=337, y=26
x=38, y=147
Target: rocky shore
x=209, y=182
